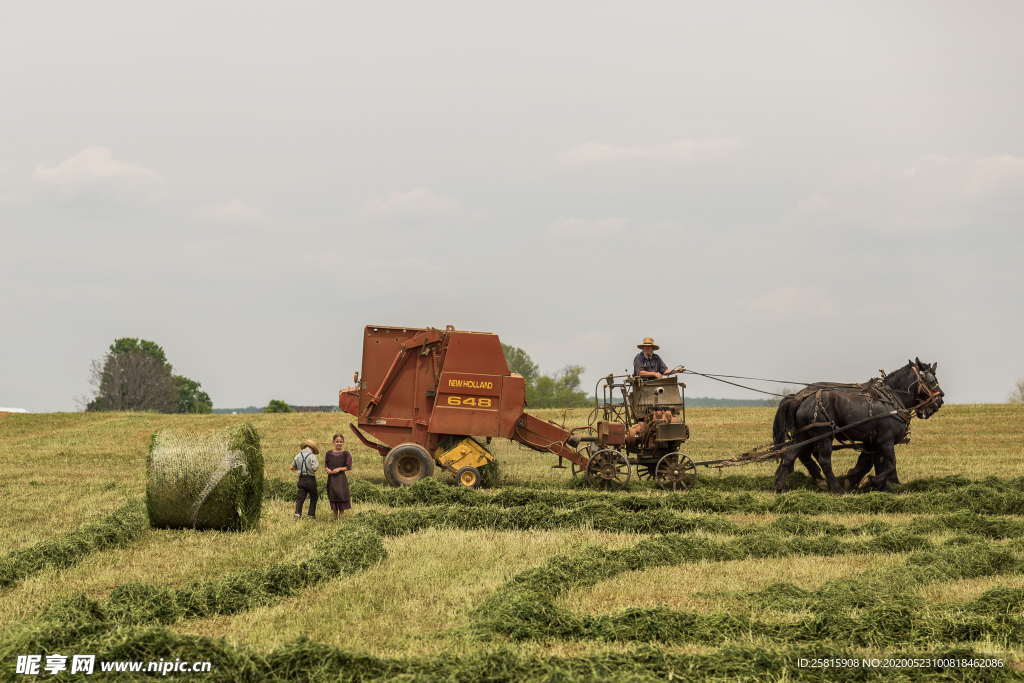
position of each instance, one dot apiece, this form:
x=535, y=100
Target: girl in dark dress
x=336, y=463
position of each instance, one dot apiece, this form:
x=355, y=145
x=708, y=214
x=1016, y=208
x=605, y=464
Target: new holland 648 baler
x=422, y=396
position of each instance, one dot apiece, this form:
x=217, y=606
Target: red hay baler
x=423, y=395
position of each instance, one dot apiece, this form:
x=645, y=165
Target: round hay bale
x=205, y=480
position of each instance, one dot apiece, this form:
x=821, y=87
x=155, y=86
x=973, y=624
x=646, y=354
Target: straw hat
x=312, y=445
x=648, y=341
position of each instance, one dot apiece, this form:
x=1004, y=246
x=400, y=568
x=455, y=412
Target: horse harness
x=874, y=389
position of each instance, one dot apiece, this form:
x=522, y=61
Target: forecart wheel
x=675, y=472
x=407, y=463
x=585, y=451
x=469, y=477
x=608, y=468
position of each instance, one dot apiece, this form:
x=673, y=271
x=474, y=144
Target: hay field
x=537, y=579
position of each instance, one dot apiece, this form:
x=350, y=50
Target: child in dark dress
x=337, y=462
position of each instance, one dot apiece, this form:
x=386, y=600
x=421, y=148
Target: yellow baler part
x=466, y=453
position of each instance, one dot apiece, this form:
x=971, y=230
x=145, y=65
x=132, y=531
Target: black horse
x=876, y=414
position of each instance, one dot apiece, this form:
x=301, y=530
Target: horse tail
x=785, y=419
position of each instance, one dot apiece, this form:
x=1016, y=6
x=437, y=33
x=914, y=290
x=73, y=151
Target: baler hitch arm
x=547, y=438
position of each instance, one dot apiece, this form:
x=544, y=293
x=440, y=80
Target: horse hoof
x=821, y=484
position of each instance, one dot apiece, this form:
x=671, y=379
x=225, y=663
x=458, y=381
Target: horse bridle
x=921, y=388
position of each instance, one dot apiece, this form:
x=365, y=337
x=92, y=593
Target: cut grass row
x=990, y=497
x=357, y=545
x=352, y=548
x=117, y=529
x=876, y=609
x=475, y=510
x=304, y=660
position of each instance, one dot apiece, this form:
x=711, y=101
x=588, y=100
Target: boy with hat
x=305, y=464
x=647, y=363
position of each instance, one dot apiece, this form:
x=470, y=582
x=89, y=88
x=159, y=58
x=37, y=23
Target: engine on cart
x=642, y=427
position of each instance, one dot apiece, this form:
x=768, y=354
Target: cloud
x=587, y=239
x=814, y=205
x=692, y=150
x=793, y=301
x=928, y=195
x=977, y=178
x=234, y=211
x=582, y=228
x=996, y=174
x=95, y=172
x=415, y=204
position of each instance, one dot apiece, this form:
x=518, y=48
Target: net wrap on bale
x=205, y=480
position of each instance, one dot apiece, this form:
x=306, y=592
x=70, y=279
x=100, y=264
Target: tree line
x=135, y=374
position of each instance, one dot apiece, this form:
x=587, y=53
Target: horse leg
x=885, y=467
x=893, y=477
x=853, y=478
x=823, y=452
x=784, y=469
x=812, y=469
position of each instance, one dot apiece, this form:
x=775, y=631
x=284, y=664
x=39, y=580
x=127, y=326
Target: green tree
x=277, y=406
x=1018, y=392
x=132, y=345
x=520, y=362
x=191, y=397
x=561, y=390
x=134, y=375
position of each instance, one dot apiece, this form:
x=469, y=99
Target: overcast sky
x=802, y=190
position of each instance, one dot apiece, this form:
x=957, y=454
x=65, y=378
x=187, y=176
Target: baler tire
x=407, y=463
x=469, y=477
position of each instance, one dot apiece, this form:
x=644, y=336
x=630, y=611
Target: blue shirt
x=652, y=364
x=305, y=462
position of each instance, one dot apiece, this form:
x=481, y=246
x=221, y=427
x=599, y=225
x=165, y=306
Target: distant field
x=538, y=579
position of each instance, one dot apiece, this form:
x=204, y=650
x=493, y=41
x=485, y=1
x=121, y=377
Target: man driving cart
x=649, y=365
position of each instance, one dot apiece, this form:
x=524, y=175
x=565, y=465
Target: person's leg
x=313, y=496
x=300, y=498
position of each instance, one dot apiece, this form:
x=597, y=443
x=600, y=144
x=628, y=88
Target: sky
x=794, y=190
